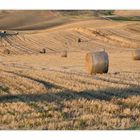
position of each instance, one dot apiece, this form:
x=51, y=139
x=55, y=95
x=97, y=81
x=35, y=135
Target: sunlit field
x=47, y=91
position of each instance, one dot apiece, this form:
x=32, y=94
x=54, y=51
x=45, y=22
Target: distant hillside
x=127, y=12
x=29, y=19
x=43, y=19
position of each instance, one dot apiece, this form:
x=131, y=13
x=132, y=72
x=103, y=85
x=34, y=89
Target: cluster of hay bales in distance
x=97, y=62
x=136, y=54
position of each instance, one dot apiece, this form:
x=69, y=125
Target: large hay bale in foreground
x=97, y=62
x=136, y=54
x=64, y=54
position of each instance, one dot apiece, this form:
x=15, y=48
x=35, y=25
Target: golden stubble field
x=47, y=91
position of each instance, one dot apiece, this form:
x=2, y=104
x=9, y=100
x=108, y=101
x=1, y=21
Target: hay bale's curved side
x=89, y=63
x=136, y=54
x=97, y=62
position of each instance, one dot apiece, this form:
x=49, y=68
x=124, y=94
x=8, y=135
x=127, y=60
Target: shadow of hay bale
x=66, y=94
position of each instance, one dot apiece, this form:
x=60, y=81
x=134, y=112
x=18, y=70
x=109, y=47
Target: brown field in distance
x=48, y=91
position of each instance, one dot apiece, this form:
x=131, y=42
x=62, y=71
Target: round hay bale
x=136, y=54
x=43, y=50
x=97, y=62
x=79, y=40
x=6, y=51
x=64, y=54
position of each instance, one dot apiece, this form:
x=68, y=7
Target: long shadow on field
x=67, y=94
x=106, y=94
x=47, y=85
